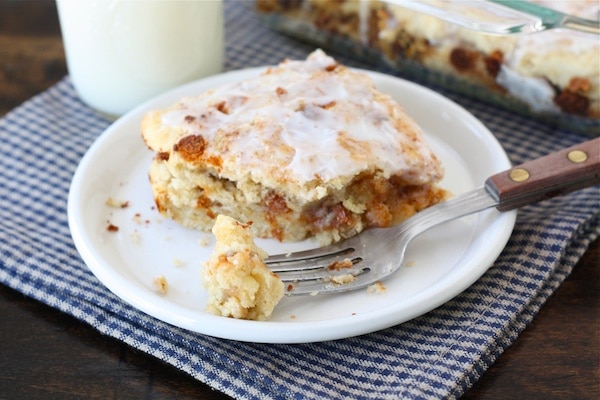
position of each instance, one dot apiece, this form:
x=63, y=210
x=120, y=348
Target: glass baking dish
x=552, y=75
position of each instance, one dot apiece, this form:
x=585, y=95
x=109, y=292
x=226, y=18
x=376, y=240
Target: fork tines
x=317, y=269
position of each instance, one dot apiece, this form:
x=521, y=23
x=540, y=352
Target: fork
x=375, y=254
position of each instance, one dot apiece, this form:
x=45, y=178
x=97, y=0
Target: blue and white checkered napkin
x=440, y=354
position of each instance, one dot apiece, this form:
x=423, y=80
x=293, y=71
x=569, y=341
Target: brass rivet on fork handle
x=519, y=175
x=577, y=156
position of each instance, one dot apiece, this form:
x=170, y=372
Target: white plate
x=443, y=262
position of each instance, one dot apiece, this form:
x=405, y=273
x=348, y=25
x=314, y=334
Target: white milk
x=122, y=52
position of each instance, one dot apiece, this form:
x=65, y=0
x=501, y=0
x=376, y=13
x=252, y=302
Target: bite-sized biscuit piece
x=238, y=282
x=308, y=148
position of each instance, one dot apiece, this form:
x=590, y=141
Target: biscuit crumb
x=178, y=262
x=111, y=202
x=375, y=288
x=160, y=284
x=342, y=279
x=112, y=228
x=135, y=237
x=339, y=265
x=137, y=218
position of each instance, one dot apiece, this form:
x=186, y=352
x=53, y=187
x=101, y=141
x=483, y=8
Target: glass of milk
x=122, y=52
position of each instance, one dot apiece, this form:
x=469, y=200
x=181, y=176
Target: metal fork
x=375, y=254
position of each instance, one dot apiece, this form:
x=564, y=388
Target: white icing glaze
x=298, y=116
x=536, y=92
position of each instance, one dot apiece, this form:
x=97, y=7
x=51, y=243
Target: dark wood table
x=45, y=354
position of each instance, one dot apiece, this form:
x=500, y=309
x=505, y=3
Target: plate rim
x=270, y=331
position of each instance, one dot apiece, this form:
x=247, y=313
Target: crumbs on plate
x=112, y=228
x=160, y=284
x=111, y=202
x=178, y=262
x=137, y=218
x=375, y=288
x=135, y=237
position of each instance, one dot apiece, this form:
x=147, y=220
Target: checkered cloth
x=438, y=355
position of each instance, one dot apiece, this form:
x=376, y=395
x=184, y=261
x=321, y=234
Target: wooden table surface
x=45, y=354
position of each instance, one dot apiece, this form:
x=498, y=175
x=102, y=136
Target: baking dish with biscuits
x=552, y=75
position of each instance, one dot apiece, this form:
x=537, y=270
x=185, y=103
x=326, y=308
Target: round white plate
x=440, y=264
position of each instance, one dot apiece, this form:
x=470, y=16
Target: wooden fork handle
x=558, y=173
